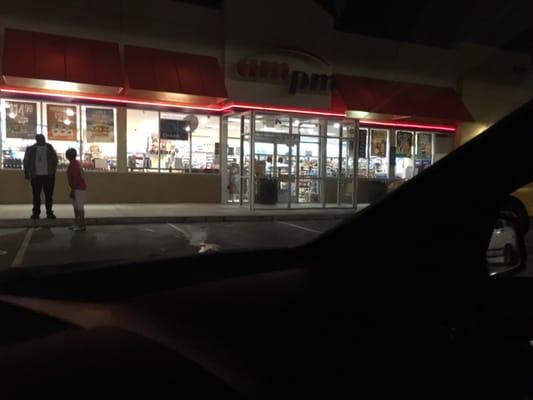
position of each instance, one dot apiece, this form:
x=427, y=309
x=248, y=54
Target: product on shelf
x=12, y=163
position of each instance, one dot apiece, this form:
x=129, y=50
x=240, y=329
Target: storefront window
x=90, y=130
x=347, y=171
x=99, y=138
x=424, y=151
x=348, y=131
x=404, y=168
x=273, y=123
x=334, y=128
x=205, y=145
x=347, y=159
x=363, y=153
x=20, y=124
x=233, y=153
x=143, y=140
x=61, y=126
x=332, y=157
x=379, y=152
x=173, y=142
x=308, y=127
x=309, y=156
x=309, y=170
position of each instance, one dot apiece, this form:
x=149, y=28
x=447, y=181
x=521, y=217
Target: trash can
x=371, y=190
x=267, y=191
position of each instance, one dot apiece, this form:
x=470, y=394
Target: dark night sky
x=507, y=25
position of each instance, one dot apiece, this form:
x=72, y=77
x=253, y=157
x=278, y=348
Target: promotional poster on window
x=404, y=144
x=100, y=125
x=61, y=122
x=21, y=121
x=424, y=146
x=362, y=143
x=379, y=144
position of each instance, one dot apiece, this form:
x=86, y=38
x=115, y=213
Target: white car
x=503, y=243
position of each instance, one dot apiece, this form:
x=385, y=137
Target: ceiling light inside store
x=70, y=113
x=66, y=121
x=336, y=125
x=12, y=115
x=188, y=128
x=296, y=122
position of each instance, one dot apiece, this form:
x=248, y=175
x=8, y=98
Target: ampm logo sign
x=279, y=72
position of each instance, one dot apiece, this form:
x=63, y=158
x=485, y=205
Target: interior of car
x=385, y=318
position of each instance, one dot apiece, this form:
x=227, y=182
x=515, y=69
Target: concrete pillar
x=122, y=129
x=223, y=154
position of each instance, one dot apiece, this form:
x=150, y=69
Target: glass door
x=310, y=162
x=285, y=171
x=346, y=192
x=236, y=174
x=309, y=170
x=246, y=159
x=273, y=159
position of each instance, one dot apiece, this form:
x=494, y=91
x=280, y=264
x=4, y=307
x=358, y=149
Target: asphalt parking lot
x=59, y=246
x=29, y=247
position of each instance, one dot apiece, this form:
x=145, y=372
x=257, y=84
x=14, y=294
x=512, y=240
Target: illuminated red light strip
x=224, y=108
x=283, y=110
x=446, y=128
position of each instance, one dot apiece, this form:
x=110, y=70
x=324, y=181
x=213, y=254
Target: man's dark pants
x=42, y=183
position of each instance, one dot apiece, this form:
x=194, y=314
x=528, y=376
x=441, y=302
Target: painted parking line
x=182, y=231
x=21, y=253
x=299, y=227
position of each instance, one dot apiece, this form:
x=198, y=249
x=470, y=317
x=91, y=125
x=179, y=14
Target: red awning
x=173, y=76
x=45, y=61
x=399, y=100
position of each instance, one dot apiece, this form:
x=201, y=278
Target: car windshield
x=134, y=131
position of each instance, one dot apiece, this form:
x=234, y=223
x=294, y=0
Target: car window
x=166, y=139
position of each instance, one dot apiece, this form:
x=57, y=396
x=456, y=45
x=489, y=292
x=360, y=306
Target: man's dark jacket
x=30, y=156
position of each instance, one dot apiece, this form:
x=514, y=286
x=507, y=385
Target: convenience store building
x=154, y=125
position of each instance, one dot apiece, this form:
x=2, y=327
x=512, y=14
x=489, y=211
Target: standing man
x=40, y=164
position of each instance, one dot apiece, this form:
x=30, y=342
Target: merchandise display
x=11, y=162
x=13, y=152
x=172, y=142
x=363, y=167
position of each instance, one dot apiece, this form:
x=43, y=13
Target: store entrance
x=285, y=161
x=236, y=145
x=274, y=167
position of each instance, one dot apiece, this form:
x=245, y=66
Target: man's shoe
x=50, y=215
x=34, y=216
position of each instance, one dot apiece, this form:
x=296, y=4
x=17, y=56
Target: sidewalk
x=18, y=215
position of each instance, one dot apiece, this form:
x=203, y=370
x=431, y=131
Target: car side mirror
x=506, y=254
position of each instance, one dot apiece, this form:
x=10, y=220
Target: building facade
x=180, y=103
